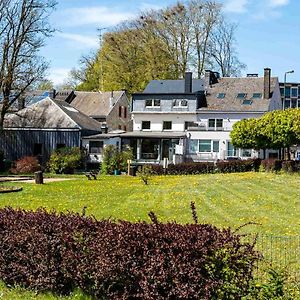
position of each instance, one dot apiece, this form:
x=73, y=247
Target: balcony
x=207, y=128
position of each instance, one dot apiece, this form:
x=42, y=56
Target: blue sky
x=267, y=34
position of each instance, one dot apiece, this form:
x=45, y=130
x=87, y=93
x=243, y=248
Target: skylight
x=247, y=102
x=72, y=109
x=256, y=95
x=241, y=95
x=221, y=95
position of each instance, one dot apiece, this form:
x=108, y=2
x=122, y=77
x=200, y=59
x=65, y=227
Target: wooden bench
x=91, y=174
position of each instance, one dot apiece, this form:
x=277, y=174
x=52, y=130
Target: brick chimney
x=188, y=82
x=267, y=83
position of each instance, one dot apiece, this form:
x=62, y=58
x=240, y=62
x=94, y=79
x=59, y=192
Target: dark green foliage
x=209, y=167
x=53, y=252
x=65, y=160
x=113, y=159
x=271, y=165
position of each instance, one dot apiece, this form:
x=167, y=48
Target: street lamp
x=284, y=95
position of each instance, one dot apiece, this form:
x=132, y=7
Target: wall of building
x=19, y=143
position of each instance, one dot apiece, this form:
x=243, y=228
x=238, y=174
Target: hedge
x=195, y=168
x=47, y=251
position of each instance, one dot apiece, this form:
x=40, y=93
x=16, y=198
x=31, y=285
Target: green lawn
x=222, y=199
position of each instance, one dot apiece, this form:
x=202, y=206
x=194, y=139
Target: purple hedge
x=46, y=251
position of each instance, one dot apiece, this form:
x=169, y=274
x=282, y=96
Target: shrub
x=113, y=159
x=195, y=168
x=26, y=165
x=271, y=165
x=53, y=252
x=144, y=173
x=65, y=160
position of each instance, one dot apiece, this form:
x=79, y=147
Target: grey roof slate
x=231, y=87
x=49, y=113
x=172, y=86
x=95, y=103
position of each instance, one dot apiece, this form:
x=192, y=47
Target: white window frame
x=152, y=103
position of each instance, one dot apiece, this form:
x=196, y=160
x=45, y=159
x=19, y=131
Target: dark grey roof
x=231, y=87
x=172, y=86
x=49, y=113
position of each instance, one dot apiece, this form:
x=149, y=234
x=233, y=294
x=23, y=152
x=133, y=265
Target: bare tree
x=222, y=51
x=23, y=26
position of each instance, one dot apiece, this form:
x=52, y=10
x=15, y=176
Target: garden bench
x=91, y=174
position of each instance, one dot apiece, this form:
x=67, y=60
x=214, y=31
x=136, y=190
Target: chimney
x=267, y=83
x=188, y=82
x=111, y=99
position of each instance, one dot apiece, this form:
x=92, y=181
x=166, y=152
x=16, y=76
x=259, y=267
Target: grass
x=272, y=200
x=221, y=199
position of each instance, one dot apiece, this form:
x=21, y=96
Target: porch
x=154, y=147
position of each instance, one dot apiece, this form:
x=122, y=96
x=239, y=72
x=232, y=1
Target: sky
x=266, y=33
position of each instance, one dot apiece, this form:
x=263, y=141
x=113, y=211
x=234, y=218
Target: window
x=167, y=125
x=282, y=92
x=294, y=92
x=216, y=146
x=180, y=103
x=298, y=91
x=298, y=103
x=59, y=146
x=152, y=103
x=294, y=103
x=215, y=124
x=95, y=146
x=120, y=111
x=37, y=149
x=193, y=146
x=287, y=103
x=231, y=151
x=124, y=128
x=188, y=125
x=146, y=125
x=247, y=102
x=221, y=95
x=204, y=145
x=256, y=95
x=241, y=95
x=120, y=127
x=246, y=152
x=125, y=112
x=288, y=92
x=209, y=146
x=150, y=148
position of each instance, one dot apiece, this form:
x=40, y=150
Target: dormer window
x=180, y=103
x=221, y=95
x=256, y=96
x=247, y=102
x=241, y=95
x=152, y=103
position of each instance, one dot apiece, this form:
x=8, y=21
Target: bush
x=26, y=165
x=144, y=173
x=65, y=160
x=113, y=159
x=53, y=252
x=271, y=165
x=195, y=168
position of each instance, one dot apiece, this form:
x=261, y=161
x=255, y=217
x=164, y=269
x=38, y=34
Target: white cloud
x=236, y=6
x=58, y=75
x=277, y=3
x=95, y=15
x=81, y=41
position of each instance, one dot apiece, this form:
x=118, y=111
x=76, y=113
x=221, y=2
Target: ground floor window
x=246, y=152
x=150, y=148
x=231, y=151
x=95, y=146
x=204, y=146
x=146, y=125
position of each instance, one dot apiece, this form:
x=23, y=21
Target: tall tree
x=24, y=27
x=222, y=49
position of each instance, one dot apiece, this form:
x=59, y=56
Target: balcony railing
x=207, y=128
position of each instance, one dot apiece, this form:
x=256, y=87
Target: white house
x=191, y=119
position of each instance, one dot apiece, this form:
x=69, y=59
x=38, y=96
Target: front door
x=167, y=150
